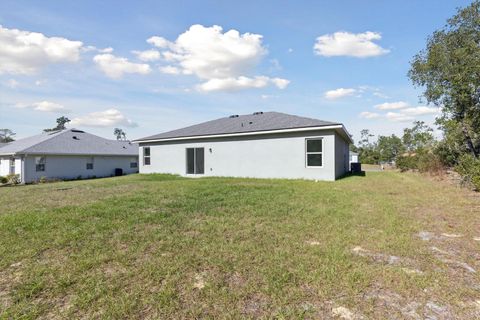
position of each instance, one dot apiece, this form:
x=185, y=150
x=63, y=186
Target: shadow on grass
x=352, y=174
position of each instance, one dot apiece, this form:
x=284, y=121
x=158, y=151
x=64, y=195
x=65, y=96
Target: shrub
x=13, y=179
x=469, y=168
x=43, y=179
x=3, y=180
x=423, y=161
x=430, y=163
x=407, y=162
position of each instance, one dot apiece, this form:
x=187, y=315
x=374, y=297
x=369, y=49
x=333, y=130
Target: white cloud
x=369, y=115
x=115, y=67
x=170, y=70
x=108, y=118
x=148, y=55
x=44, y=106
x=159, y=42
x=360, y=45
x=224, y=60
x=93, y=48
x=280, y=83
x=404, y=113
x=24, y=52
x=398, y=117
x=12, y=83
x=392, y=105
x=420, y=111
x=234, y=84
x=339, y=93
x=380, y=95
x=106, y=50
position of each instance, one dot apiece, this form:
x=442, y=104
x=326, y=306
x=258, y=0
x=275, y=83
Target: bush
x=3, y=180
x=43, y=179
x=430, y=163
x=407, y=162
x=423, y=161
x=469, y=168
x=13, y=179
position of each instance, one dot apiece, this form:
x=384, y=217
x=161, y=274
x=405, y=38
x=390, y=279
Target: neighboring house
x=67, y=154
x=261, y=145
x=353, y=157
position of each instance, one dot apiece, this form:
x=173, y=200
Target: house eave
x=68, y=154
x=252, y=133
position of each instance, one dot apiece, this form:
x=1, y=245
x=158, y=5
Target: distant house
x=353, y=157
x=261, y=145
x=67, y=154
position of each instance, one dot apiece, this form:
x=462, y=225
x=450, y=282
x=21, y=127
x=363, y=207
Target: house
x=354, y=157
x=67, y=154
x=260, y=145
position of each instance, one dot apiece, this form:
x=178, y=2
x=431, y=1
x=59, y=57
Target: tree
x=119, y=134
x=367, y=150
x=419, y=137
x=6, y=135
x=389, y=147
x=61, y=122
x=449, y=71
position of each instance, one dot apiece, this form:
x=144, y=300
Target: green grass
x=160, y=246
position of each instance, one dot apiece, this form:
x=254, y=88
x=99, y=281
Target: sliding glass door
x=195, y=160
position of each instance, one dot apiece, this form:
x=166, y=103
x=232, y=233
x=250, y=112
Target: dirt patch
x=450, y=259
x=312, y=243
x=344, y=313
x=199, y=281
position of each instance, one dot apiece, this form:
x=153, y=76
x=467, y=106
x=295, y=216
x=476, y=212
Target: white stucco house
x=259, y=145
x=67, y=154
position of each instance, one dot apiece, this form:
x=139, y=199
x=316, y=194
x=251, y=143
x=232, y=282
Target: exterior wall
x=261, y=156
x=342, y=155
x=71, y=167
x=4, y=166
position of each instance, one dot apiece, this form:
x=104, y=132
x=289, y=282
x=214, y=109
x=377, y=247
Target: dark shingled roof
x=70, y=141
x=245, y=123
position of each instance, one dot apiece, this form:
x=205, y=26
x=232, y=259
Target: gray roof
x=70, y=141
x=245, y=123
x=3, y=144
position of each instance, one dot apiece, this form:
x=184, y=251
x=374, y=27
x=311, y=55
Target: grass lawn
x=156, y=246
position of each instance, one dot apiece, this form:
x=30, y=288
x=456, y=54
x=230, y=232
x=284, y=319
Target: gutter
x=251, y=133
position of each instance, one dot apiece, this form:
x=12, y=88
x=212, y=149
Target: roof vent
x=234, y=116
x=258, y=113
x=75, y=138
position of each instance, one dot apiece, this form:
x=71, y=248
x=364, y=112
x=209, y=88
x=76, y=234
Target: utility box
x=356, y=167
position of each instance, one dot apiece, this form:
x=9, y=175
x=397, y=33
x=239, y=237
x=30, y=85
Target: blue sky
x=341, y=61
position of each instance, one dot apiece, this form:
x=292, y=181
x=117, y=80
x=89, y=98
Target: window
x=12, y=166
x=314, y=152
x=195, y=160
x=146, y=156
x=133, y=163
x=90, y=163
x=40, y=164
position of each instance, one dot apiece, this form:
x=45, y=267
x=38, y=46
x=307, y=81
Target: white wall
x=261, y=156
x=4, y=166
x=71, y=167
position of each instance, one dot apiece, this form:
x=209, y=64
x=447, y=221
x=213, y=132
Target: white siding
x=261, y=156
x=72, y=167
x=4, y=166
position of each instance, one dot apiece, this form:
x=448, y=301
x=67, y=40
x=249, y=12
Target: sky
x=153, y=66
